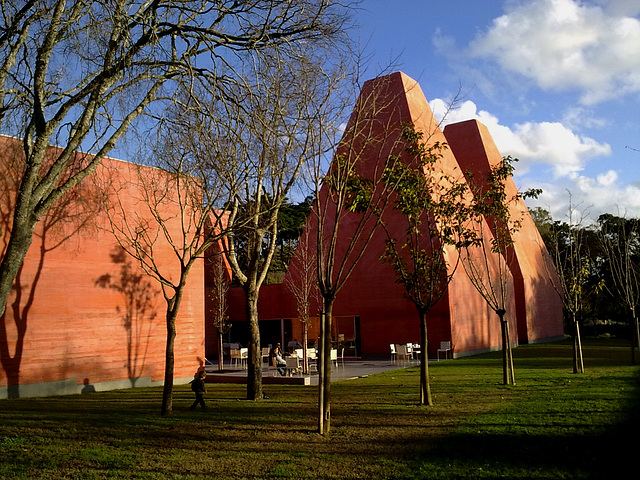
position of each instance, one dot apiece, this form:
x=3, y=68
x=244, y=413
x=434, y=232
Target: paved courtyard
x=350, y=368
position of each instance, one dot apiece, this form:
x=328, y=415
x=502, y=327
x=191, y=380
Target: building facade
x=371, y=310
x=82, y=315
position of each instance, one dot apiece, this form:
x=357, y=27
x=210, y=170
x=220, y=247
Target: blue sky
x=557, y=83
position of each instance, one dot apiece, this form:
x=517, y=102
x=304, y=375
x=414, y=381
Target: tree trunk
x=324, y=379
x=508, y=375
x=512, y=375
x=254, y=368
x=578, y=363
x=20, y=240
x=167, y=391
x=320, y=361
x=425, y=386
x=220, y=352
x=173, y=307
x=635, y=337
x=305, y=340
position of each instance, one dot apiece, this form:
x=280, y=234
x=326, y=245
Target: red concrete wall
x=539, y=307
x=67, y=324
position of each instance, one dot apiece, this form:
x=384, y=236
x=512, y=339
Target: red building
x=82, y=315
x=371, y=310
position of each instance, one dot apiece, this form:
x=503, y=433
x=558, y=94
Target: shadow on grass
x=551, y=425
x=580, y=452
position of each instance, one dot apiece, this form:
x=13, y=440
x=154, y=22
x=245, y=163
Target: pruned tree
x=220, y=284
x=575, y=269
x=79, y=74
x=620, y=239
x=350, y=198
x=177, y=219
x=488, y=265
x=302, y=281
x=435, y=205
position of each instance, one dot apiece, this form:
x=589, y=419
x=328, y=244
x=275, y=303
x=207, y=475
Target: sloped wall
x=538, y=305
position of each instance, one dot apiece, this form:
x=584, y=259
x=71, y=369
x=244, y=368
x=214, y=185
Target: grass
x=551, y=425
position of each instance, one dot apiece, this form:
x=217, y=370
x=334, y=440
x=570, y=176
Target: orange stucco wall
x=82, y=314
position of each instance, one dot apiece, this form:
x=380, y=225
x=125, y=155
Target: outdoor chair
x=416, y=351
x=265, y=355
x=312, y=360
x=444, y=347
x=409, y=351
x=393, y=352
x=239, y=355
x=334, y=356
x=293, y=363
x=401, y=352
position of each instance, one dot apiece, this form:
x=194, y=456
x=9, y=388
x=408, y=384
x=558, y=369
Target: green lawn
x=552, y=424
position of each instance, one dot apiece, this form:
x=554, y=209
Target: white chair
x=393, y=352
x=401, y=352
x=416, y=351
x=312, y=359
x=444, y=347
x=265, y=355
x=334, y=356
x=239, y=355
x=293, y=363
x=244, y=356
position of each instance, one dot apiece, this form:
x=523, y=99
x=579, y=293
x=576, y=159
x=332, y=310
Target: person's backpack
x=194, y=385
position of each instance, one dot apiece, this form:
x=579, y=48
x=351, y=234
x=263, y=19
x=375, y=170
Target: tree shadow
x=69, y=215
x=138, y=313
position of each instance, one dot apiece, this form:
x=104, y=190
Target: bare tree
x=79, y=74
x=220, y=283
x=282, y=138
x=302, y=281
x=350, y=199
x=177, y=215
x=619, y=237
x=253, y=139
x=574, y=266
x=489, y=265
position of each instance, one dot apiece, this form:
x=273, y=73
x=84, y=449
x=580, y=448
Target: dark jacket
x=197, y=385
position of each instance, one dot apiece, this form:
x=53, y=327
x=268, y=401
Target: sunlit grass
x=551, y=424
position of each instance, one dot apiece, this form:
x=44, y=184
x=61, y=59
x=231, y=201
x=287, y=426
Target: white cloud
x=565, y=153
x=566, y=44
x=544, y=143
x=589, y=197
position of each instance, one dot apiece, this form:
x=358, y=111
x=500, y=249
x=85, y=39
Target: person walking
x=197, y=386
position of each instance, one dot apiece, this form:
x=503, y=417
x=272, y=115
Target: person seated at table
x=276, y=355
